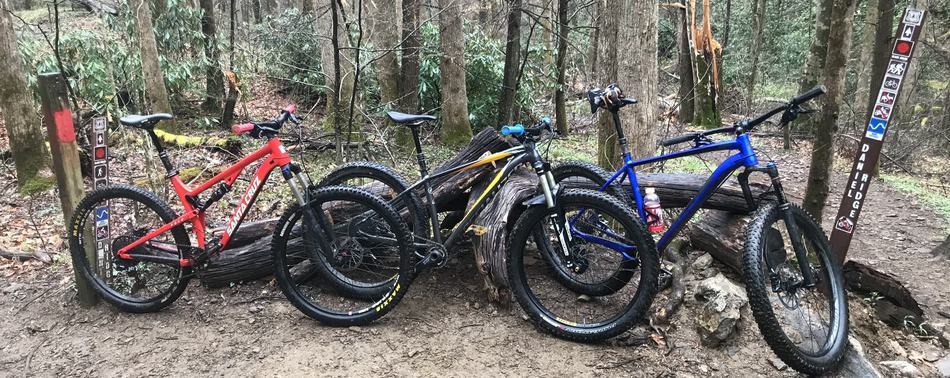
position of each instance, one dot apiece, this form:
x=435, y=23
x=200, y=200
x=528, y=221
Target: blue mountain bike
x=797, y=294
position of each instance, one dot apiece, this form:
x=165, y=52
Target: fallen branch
x=24, y=256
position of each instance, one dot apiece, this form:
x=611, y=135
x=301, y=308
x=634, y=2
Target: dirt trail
x=444, y=327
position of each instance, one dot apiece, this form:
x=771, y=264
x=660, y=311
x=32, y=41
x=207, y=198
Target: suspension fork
x=549, y=189
x=791, y=226
x=315, y=222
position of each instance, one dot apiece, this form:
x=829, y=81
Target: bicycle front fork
x=791, y=225
x=315, y=222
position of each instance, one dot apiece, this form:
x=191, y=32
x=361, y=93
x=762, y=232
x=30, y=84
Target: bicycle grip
x=679, y=139
x=512, y=130
x=818, y=90
x=242, y=128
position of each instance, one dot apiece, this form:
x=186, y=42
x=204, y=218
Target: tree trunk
x=593, y=50
x=16, y=105
x=607, y=154
x=509, y=91
x=758, y=25
x=839, y=46
x=257, y=11
x=685, y=68
x=456, y=128
x=336, y=70
x=817, y=52
x=151, y=69
x=706, y=92
x=637, y=48
x=409, y=83
x=547, y=34
x=728, y=25
x=863, y=73
x=883, y=43
x=214, y=84
x=386, y=37
x=560, y=108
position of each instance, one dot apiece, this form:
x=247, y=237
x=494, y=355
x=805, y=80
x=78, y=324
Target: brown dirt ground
x=444, y=326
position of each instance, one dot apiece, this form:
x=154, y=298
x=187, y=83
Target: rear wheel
x=353, y=267
x=386, y=183
x=113, y=217
x=606, y=237
x=807, y=327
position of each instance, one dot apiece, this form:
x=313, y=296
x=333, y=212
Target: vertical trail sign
x=870, y=148
x=100, y=177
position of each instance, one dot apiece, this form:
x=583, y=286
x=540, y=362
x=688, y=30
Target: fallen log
x=722, y=235
x=678, y=189
x=24, y=256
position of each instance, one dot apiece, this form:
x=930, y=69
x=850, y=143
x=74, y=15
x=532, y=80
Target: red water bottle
x=651, y=205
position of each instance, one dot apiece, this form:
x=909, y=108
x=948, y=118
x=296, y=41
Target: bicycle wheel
x=807, y=327
x=600, y=226
x=354, y=267
x=582, y=174
x=113, y=217
x=387, y=183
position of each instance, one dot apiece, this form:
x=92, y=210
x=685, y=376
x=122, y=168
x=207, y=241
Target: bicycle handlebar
x=258, y=129
x=521, y=132
x=743, y=126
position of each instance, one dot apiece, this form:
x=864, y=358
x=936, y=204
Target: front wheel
x=807, y=327
x=606, y=238
x=351, y=266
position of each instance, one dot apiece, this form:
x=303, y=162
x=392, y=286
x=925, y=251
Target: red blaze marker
x=63, y=120
x=902, y=47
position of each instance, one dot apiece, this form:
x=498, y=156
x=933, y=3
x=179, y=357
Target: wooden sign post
x=870, y=148
x=62, y=142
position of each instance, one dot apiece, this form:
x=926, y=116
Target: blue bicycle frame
x=744, y=157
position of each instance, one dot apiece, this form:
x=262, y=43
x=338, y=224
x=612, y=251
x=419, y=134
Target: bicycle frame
x=515, y=156
x=274, y=155
x=745, y=157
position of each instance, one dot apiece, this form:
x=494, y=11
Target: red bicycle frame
x=274, y=154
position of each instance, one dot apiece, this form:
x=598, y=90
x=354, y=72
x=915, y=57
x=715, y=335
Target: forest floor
x=445, y=326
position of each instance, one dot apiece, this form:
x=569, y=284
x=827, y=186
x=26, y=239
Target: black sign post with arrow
x=870, y=148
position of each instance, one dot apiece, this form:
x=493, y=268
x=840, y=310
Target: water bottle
x=651, y=205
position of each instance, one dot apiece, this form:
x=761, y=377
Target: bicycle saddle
x=144, y=121
x=409, y=119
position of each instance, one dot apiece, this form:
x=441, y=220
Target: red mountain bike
x=137, y=254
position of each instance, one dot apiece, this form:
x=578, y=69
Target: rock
x=896, y=349
x=702, y=262
x=777, y=363
x=721, y=311
x=943, y=367
x=854, y=363
x=899, y=368
x=12, y=288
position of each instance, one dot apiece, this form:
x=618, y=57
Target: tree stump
x=490, y=230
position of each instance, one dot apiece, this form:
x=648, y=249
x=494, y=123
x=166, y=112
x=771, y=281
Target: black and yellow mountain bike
x=580, y=262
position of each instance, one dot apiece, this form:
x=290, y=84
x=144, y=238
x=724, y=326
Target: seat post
x=166, y=162
x=423, y=166
x=621, y=138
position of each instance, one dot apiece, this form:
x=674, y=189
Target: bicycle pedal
x=477, y=230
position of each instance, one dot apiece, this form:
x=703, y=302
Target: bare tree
x=385, y=36
x=839, y=46
x=629, y=59
x=560, y=108
x=456, y=128
x=758, y=24
x=214, y=84
x=509, y=90
x=155, y=89
x=16, y=104
x=409, y=83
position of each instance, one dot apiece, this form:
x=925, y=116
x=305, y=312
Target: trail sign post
x=62, y=143
x=98, y=142
x=870, y=147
